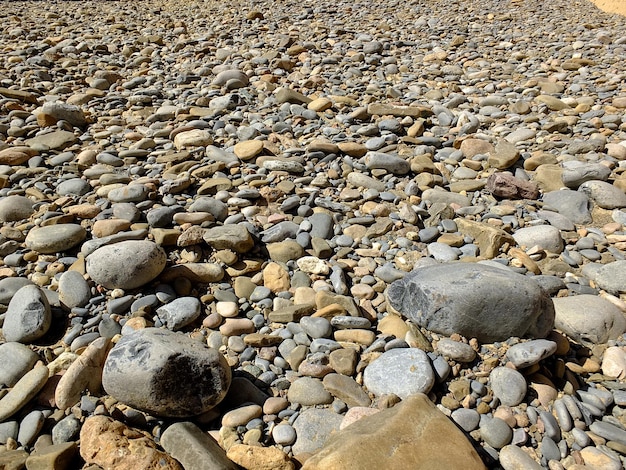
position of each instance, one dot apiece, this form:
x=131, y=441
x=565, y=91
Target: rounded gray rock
x=55, y=238
x=496, y=432
x=74, y=291
x=126, y=265
x=508, y=385
x=530, y=352
x=14, y=208
x=28, y=316
x=547, y=237
x=574, y=318
x=166, y=373
x=473, y=300
x=15, y=360
x=612, y=277
x=604, y=194
x=179, y=312
x=402, y=372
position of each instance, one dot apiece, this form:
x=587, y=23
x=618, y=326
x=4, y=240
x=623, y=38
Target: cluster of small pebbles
x=325, y=235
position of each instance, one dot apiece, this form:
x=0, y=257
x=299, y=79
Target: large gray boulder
x=474, y=300
x=166, y=373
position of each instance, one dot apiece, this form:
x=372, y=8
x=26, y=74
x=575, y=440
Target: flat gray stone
x=28, y=316
x=530, y=352
x=179, y=312
x=127, y=264
x=16, y=360
x=588, y=319
x=402, y=372
x=574, y=205
x=604, y=194
x=313, y=427
x=74, y=291
x=166, y=373
x=612, y=277
x=496, y=432
x=194, y=448
x=9, y=286
x=387, y=161
x=55, y=238
x=578, y=172
x=473, y=300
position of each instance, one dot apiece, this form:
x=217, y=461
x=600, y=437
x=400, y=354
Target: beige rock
x=503, y=156
x=472, y=147
x=193, y=138
x=359, y=336
x=320, y=104
x=393, y=325
x=548, y=177
x=353, y=149
x=285, y=251
x=57, y=456
x=114, y=446
x=106, y=227
x=356, y=413
x=16, y=155
x=248, y=149
x=85, y=373
x=23, y=391
x=489, y=239
x=276, y=278
x=374, y=442
x=614, y=362
x=260, y=458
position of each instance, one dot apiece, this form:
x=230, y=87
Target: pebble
x=530, y=352
x=28, y=315
x=401, y=372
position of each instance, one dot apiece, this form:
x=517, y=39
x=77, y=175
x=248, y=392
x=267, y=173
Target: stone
x=574, y=205
x=504, y=156
x=605, y=195
x=574, y=317
x=166, y=373
x=9, y=286
x=66, y=112
x=507, y=186
x=386, y=161
x=490, y=239
x=473, y=300
x=15, y=208
x=508, y=385
x=259, y=458
x=16, y=360
x=85, y=373
x=529, y=353
x=74, y=291
x=373, y=441
x=13, y=459
x=22, y=392
x=229, y=237
x=456, y=350
x=313, y=428
x=613, y=362
x=193, y=138
x=346, y=389
x=111, y=444
x=56, y=456
x=402, y=372
x=546, y=237
x=28, y=316
x=180, y=312
x=308, y=391
x=194, y=448
x=611, y=277
x=514, y=458
x=55, y=238
x=127, y=264
x=496, y=432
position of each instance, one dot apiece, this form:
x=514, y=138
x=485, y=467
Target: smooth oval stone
x=9, y=286
x=166, y=373
x=604, y=194
x=14, y=208
x=612, y=277
x=74, y=291
x=28, y=316
x=284, y=434
x=399, y=371
x=308, y=391
x=73, y=186
x=467, y=418
x=574, y=205
x=496, y=433
x=455, y=350
x=530, y=352
x=55, y=238
x=30, y=427
x=508, y=385
x=126, y=265
x=23, y=391
x=16, y=360
x=514, y=458
x=473, y=300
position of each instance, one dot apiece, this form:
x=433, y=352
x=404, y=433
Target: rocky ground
x=331, y=235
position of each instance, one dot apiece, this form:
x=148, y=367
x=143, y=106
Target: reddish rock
x=507, y=186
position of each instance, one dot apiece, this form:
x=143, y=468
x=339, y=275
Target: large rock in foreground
x=474, y=300
x=413, y=434
x=166, y=373
x=126, y=265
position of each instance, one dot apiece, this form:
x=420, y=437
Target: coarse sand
x=612, y=6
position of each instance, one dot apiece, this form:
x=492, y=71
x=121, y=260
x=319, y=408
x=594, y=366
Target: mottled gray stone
x=313, y=427
x=604, y=194
x=14, y=208
x=612, y=277
x=166, y=373
x=530, y=352
x=9, y=286
x=387, y=161
x=574, y=205
x=179, y=312
x=399, y=371
x=28, y=316
x=126, y=265
x=473, y=300
x=508, y=385
x=496, y=432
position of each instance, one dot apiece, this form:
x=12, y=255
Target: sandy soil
x=611, y=6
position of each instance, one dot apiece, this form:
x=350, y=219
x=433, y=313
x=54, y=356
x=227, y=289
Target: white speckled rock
x=400, y=371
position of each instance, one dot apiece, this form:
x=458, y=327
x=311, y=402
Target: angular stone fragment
x=473, y=300
x=507, y=186
x=260, y=458
x=166, y=373
x=113, y=445
x=391, y=439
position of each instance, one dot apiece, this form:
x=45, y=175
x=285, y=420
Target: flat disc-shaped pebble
x=28, y=316
x=13, y=208
x=508, y=385
x=166, y=373
x=400, y=371
x=55, y=238
x=126, y=265
x=531, y=352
